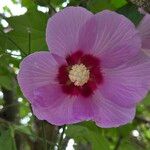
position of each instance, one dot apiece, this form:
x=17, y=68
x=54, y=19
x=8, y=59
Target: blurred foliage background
x=22, y=31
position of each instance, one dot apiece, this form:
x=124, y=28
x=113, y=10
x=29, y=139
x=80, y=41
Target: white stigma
x=79, y=74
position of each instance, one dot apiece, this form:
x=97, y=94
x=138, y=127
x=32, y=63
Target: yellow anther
x=79, y=74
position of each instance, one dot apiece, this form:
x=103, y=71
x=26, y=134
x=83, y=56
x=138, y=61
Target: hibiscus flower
x=95, y=70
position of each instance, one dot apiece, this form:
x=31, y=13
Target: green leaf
x=7, y=139
x=57, y=3
x=23, y=129
x=89, y=132
x=2, y=101
x=146, y=101
x=15, y=1
x=99, y=5
x=130, y=144
x=42, y=2
x=7, y=9
x=33, y=23
x=6, y=73
x=126, y=129
x=131, y=12
x=24, y=109
x=29, y=4
x=6, y=59
x=6, y=82
x=3, y=41
x=118, y=3
x=1, y=51
x=74, y=2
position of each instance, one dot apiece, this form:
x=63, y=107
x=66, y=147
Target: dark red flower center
x=81, y=75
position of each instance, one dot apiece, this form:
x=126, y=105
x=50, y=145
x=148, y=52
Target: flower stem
x=44, y=137
x=61, y=138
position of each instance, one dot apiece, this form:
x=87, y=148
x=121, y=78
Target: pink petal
x=47, y=96
x=109, y=114
x=62, y=29
x=51, y=104
x=144, y=30
x=83, y=109
x=111, y=37
x=61, y=114
x=37, y=70
x=129, y=83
